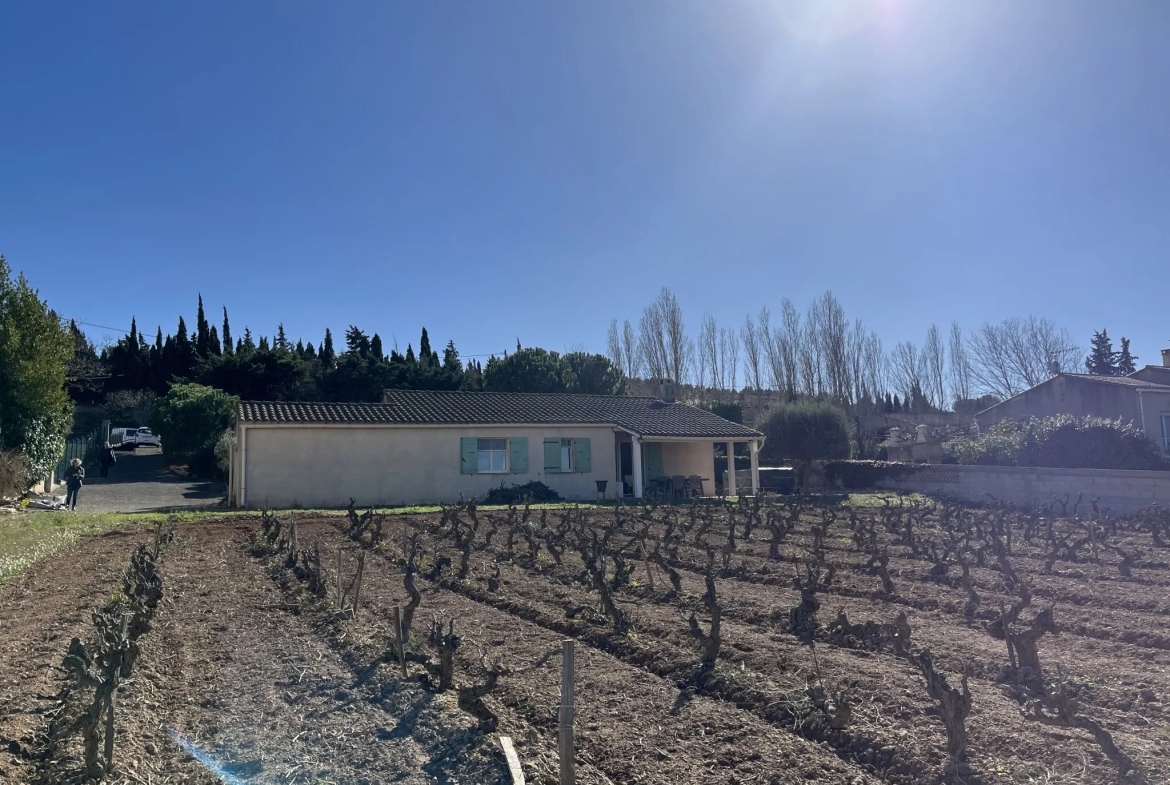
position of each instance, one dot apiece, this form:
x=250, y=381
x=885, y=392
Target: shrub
x=1071, y=442
x=223, y=452
x=15, y=477
x=129, y=407
x=1000, y=446
x=866, y=474
x=1065, y=442
x=535, y=491
x=803, y=433
x=43, y=446
x=190, y=419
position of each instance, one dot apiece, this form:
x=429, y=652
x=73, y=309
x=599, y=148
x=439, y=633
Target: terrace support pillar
x=636, y=454
x=730, y=469
x=755, y=467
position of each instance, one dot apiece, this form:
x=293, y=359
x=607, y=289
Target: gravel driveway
x=140, y=482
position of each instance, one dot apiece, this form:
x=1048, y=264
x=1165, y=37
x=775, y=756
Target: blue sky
x=533, y=169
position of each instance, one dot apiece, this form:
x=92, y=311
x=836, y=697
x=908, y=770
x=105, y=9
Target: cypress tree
x=424, y=348
x=202, y=334
x=1126, y=362
x=227, y=333
x=300, y=348
x=310, y=352
x=263, y=344
x=213, y=347
x=281, y=342
x=247, y=345
x=376, y=348
x=327, y=354
x=897, y=403
x=158, y=341
x=1102, y=360
x=409, y=355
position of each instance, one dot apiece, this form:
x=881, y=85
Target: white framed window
x=566, y=455
x=492, y=455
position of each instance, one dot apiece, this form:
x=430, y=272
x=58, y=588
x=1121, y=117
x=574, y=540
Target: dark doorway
x=626, y=465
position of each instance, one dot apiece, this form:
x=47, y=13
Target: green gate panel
x=583, y=455
x=518, y=446
x=468, y=455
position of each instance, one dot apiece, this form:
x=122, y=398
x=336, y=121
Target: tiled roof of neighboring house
x=645, y=416
x=1124, y=381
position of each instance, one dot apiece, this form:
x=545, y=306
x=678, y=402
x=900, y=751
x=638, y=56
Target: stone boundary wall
x=1125, y=492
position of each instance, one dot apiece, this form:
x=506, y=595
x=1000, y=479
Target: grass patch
x=30, y=537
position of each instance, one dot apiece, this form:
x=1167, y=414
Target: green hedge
x=856, y=475
x=1062, y=442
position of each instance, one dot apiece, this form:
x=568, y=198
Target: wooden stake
x=357, y=589
x=398, y=639
x=568, y=765
x=513, y=760
x=340, y=596
x=646, y=561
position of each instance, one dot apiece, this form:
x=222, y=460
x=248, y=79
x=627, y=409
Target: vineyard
x=751, y=642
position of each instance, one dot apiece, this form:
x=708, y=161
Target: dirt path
x=40, y=612
x=258, y=693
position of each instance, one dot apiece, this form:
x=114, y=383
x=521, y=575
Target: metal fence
x=87, y=447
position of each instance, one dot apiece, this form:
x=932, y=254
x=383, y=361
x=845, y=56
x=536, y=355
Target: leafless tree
x=1018, y=353
x=633, y=367
x=934, y=359
x=613, y=346
x=708, y=347
x=906, y=367
x=753, y=352
x=809, y=352
x=772, y=350
x=789, y=345
x=875, y=365
x=855, y=354
x=728, y=359
x=832, y=342
x=666, y=350
x=960, y=366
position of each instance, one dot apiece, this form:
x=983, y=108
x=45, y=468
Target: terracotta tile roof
x=645, y=416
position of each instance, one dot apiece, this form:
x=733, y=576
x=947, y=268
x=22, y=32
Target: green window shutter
x=584, y=456
x=468, y=457
x=653, y=460
x=518, y=446
x=552, y=455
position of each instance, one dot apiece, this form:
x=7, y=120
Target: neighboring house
x=1142, y=398
x=425, y=447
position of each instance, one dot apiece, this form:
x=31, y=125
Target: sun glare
x=827, y=20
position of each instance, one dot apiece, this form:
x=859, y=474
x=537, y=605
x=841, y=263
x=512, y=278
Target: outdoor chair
x=695, y=485
x=678, y=486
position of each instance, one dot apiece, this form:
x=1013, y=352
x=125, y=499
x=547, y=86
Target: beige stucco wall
x=1155, y=406
x=687, y=458
x=323, y=466
x=1067, y=395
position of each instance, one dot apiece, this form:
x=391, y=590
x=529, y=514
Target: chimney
x=666, y=390
x=922, y=429
x=1166, y=358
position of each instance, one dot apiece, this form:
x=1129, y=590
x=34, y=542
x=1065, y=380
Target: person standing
x=107, y=459
x=73, y=479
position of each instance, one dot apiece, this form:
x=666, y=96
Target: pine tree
x=281, y=342
x=247, y=346
x=1126, y=362
x=310, y=352
x=263, y=347
x=213, y=347
x=376, y=348
x=227, y=333
x=409, y=355
x=356, y=341
x=202, y=334
x=327, y=354
x=1102, y=360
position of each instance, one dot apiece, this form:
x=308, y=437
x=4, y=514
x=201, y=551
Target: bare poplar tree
x=708, y=352
x=630, y=351
x=832, y=338
x=652, y=341
x=753, y=352
x=934, y=360
x=789, y=346
x=875, y=365
x=613, y=346
x=809, y=352
x=960, y=366
x=728, y=359
x=772, y=352
x=855, y=352
x=665, y=348
x=906, y=368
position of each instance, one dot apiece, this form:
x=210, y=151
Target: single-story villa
x=426, y=447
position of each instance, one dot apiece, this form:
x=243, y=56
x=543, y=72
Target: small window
x=492, y=455
x=566, y=455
